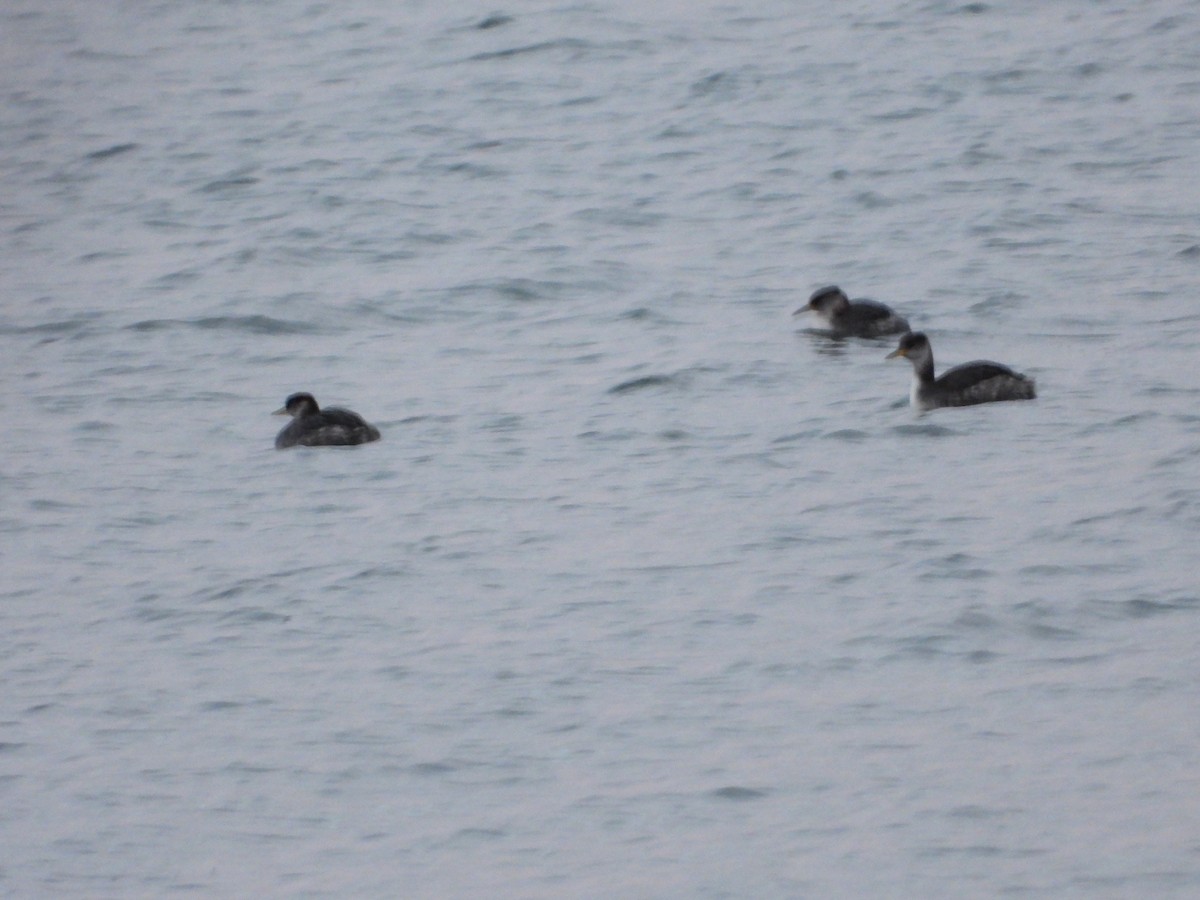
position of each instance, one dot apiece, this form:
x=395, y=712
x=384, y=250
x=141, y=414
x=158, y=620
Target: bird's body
x=312, y=426
x=853, y=318
x=975, y=382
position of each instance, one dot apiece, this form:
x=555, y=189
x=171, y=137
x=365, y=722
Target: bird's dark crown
x=301, y=402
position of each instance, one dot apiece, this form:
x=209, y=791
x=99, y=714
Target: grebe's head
x=914, y=346
x=298, y=405
x=826, y=301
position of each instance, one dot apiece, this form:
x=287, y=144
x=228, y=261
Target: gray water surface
x=647, y=591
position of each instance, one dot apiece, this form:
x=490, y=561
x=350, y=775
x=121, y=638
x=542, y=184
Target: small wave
x=251, y=615
x=524, y=290
x=1141, y=608
x=433, y=768
x=974, y=620
x=249, y=324
x=924, y=429
x=736, y=792
x=1120, y=423
x=220, y=705
x=67, y=326
x=109, y=152
x=795, y=437
x=541, y=46
x=52, y=506
x=637, y=384
x=495, y=20
x=1042, y=632
x=617, y=435
x=849, y=435
x=722, y=84
x=622, y=216
x=228, y=184
x=480, y=833
x=961, y=566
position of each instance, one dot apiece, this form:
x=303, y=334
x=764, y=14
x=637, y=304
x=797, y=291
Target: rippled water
x=646, y=591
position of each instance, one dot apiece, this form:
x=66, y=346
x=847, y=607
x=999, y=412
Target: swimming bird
x=853, y=318
x=980, y=381
x=312, y=426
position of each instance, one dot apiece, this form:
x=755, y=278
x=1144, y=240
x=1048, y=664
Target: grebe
x=312, y=426
x=974, y=382
x=857, y=318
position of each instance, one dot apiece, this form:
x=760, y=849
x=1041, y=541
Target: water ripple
x=254, y=324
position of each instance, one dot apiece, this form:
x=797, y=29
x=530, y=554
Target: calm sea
x=647, y=591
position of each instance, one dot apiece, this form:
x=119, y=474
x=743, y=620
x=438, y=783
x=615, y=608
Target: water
x=646, y=591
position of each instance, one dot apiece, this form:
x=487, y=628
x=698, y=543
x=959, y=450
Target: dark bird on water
x=980, y=381
x=853, y=318
x=312, y=426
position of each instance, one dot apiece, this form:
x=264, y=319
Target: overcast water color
x=648, y=590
